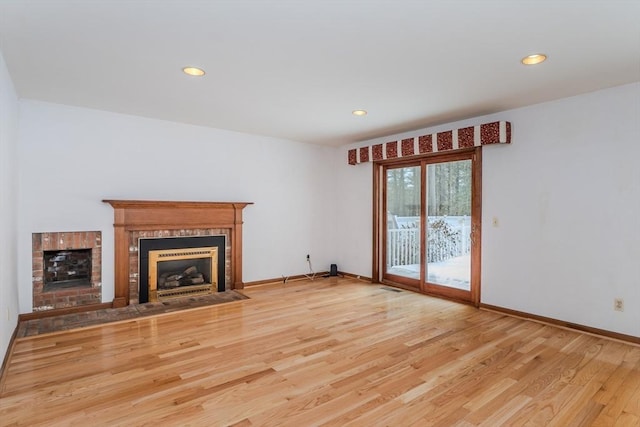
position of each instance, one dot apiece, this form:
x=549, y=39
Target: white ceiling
x=295, y=69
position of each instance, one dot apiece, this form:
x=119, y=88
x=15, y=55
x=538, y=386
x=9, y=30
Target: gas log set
x=188, y=277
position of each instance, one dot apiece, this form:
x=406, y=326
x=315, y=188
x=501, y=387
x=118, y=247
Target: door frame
x=379, y=221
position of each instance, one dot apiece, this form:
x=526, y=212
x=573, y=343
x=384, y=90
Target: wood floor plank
x=334, y=352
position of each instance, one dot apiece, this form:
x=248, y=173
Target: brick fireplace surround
x=63, y=298
x=134, y=219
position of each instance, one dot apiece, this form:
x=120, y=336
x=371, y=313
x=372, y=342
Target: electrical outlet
x=618, y=304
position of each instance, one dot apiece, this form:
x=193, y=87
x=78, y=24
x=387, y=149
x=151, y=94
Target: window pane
x=449, y=224
x=403, y=221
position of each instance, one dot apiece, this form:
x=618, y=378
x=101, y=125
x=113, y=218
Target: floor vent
x=390, y=289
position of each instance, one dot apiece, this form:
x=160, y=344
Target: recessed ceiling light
x=193, y=71
x=359, y=113
x=534, y=59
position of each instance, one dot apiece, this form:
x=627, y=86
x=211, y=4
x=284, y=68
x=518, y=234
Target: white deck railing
x=447, y=238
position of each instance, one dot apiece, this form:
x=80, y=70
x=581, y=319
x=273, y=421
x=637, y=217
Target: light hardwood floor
x=329, y=352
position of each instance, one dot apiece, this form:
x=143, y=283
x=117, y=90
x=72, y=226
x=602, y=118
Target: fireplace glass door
x=181, y=272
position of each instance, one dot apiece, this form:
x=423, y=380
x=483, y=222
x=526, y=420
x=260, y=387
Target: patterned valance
x=457, y=139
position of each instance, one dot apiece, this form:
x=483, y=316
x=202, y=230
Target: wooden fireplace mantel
x=138, y=215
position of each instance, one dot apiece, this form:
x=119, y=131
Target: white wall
x=8, y=208
x=354, y=206
x=72, y=158
x=566, y=194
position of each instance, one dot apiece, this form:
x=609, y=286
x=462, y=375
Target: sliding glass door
x=403, y=238
x=428, y=224
x=448, y=231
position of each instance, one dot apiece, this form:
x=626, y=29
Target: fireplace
x=139, y=221
x=180, y=266
x=66, y=269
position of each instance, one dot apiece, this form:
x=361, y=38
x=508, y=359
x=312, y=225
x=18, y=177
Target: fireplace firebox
x=66, y=269
x=180, y=266
x=181, y=272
